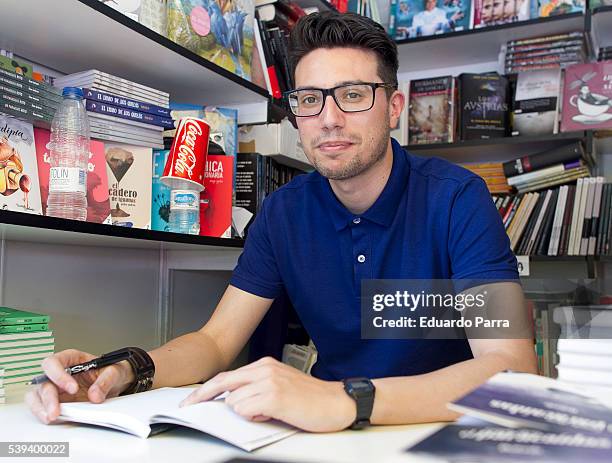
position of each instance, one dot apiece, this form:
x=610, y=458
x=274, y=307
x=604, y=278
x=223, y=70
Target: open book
x=150, y=412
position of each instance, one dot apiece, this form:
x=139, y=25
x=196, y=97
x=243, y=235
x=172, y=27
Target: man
x=370, y=211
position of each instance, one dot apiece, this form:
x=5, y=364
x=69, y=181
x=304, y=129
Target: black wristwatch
x=362, y=390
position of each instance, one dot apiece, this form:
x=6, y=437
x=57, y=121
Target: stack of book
x=28, y=99
x=545, y=52
x=604, y=54
x=120, y=110
x=493, y=175
x=573, y=220
x=2, y=394
x=585, y=345
x=553, y=167
x=25, y=340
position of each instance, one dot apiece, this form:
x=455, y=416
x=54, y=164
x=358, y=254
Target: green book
x=5, y=329
x=10, y=316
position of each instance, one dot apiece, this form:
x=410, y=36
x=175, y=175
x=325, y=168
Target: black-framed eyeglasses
x=350, y=98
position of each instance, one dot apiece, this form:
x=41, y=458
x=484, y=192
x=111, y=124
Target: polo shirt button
x=356, y=220
x=361, y=258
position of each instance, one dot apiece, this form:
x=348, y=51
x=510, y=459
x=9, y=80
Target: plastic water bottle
x=69, y=155
x=185, y=211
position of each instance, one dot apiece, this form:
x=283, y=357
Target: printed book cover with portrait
x=417, y=18
x=430, y=111
x=587, y=97
x=494, y=12
x=19, y=187
x=129, y=184
x=98, y=205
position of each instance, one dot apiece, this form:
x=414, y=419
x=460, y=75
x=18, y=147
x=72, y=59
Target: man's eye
x=309, y=99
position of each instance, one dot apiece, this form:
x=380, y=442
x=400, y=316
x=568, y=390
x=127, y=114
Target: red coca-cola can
x=187, y=158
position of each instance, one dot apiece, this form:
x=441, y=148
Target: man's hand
x=92, y=385
x=270, y=389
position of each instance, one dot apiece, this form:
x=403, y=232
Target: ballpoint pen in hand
x=100, y=362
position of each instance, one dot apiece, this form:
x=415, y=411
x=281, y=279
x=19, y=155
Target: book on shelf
x=417, y=18
x=151, y=412
x=548, y=8
x=98, y=206
x=493, y=175
x=160, y=193
x=10, y=316
x=484, y=106
x=488, y=12
x=149, y=13
x=19, y=184
x=587, y=97
x=535, y=106
x=224, y=37
x=533, y=162
x=129, y=177
x=431, y=110
x=545, y=52
x=216, y=199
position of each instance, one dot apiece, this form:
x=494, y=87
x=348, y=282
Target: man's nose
x=331, y=116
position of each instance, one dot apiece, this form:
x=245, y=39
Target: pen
x=100, y=362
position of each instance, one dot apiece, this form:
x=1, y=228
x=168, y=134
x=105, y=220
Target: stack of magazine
x=120, y=110
x=25, y=340
x=525, y=417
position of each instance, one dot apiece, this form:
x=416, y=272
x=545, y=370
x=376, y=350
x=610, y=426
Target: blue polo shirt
x=433, y=220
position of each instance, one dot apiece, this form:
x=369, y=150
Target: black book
x=608, y=228
x=275, y=55
x=484, y=106
x=603, y=218
x=567, y=221
x=558, y=155
x=248, y=182
x=521, y=248
x=541, y=245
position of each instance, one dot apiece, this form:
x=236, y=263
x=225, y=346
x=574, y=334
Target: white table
x=380, y=444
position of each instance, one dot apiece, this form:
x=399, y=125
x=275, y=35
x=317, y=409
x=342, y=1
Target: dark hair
x=331, y=29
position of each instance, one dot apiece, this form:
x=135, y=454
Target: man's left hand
x=268, y=389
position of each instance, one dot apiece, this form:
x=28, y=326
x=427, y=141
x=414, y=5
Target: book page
x=130, y=413
x=219, y=420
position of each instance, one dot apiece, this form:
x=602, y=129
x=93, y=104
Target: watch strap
x=144, y=370
x=362, y=390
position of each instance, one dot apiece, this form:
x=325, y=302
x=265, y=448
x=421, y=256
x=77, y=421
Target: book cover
x=418, y=18
x=535, y=103
x=129, y=171
x=430, y=111
x=160, y=194
x=98, y=206
x=221, y=32
x=587, y=97
x=19, y=185
x=494, y=12
x=27, y=328
x=522, y=400
x=10, y=316
x=484, y=106
x=216, y=199
x=558, y=7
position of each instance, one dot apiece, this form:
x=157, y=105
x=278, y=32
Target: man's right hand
x=93, y=385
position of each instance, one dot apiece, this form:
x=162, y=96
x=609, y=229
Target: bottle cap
x=74, y=92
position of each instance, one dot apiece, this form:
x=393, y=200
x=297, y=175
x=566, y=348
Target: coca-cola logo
x=186, y=158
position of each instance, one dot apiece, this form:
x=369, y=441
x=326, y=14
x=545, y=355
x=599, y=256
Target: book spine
x=30, y=327
x=128, y=114
x=567, y=221
x=95, y=95
x=23, y=320
x=543, y=241
x=605, y=210
x=592, y=240
x=586, y=221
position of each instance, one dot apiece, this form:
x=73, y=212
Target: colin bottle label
x=67, y=180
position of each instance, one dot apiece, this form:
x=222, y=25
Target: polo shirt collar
x=384, y=208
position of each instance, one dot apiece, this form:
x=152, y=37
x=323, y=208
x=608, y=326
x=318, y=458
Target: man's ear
x=396, y=106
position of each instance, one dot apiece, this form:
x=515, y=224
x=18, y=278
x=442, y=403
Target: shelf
x=76, y=35
x=495, y=149
x=17, y=226
x=463, y=48
x=601, y=26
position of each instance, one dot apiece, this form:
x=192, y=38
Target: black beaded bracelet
x=144, y=370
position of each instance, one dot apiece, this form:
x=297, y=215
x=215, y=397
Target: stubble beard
x=357, y=164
